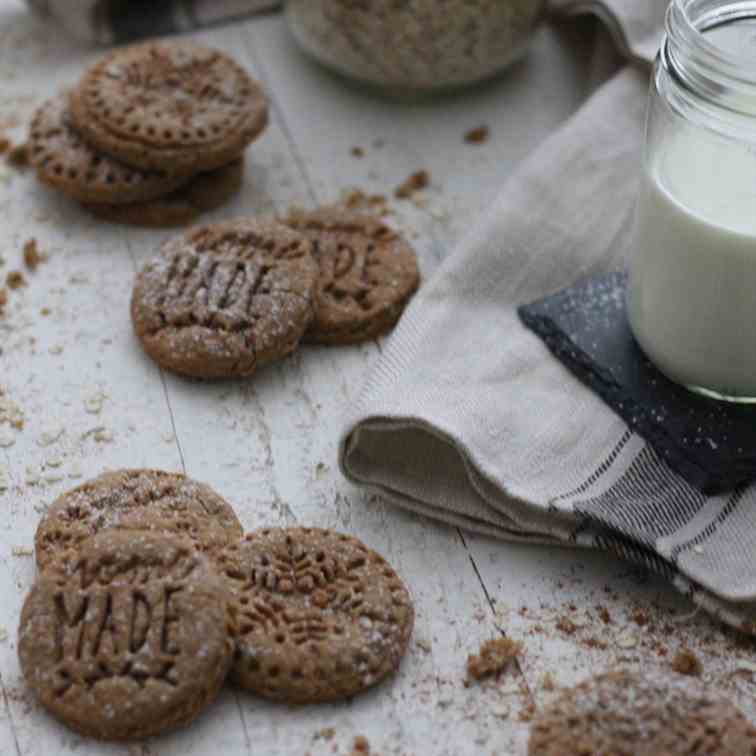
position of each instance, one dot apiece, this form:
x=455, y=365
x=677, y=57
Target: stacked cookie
x=223, y=300
x=152, y=135
x=148, y=595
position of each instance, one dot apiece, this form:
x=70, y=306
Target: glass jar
x=692, y=287
x=415, y=45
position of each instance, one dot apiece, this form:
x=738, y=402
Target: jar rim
x=722, y=77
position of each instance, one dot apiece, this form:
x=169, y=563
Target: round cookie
x=171, y=105
x=367, y=274
x=136, y=500
x=627, y=714
x=205, y=192
x=317, y=615
x=126, y=637
x=66, y=162
x=224, y=299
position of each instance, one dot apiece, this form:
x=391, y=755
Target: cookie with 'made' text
x=127, y=636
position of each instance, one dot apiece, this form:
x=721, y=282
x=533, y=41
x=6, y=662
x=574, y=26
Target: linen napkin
x=467, y=417
x=105, y=22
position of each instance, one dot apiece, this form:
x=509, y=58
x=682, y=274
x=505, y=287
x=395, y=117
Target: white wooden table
x=269, y=444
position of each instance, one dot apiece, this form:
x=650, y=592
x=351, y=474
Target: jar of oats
x=412, y=45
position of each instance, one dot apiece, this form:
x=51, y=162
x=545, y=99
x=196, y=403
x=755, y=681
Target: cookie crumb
x=21, y=551
x=548, y=682
x=528, y=712
x=685, y=662
x=3, y=298
x=5, y=145
x=604, y=615
x=327, y=733
x=566, y=625
x=18, y=157
x=15, y=279
x=360, y=747
x=493, y=658
x=478, y=135
x=414, y=183
x=32, y=257
x=358, y=152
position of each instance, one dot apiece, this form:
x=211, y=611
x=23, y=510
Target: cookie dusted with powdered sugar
x=150, y=500
x=624, y=713
x=367, y=274
x=126, y=637
x=317, y=615
x=223, y=300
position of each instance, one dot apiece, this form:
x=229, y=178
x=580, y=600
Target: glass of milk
x=692, y=287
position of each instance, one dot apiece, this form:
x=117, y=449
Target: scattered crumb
x=327, y=733
x=360, y=747
x=414, y=183
x=528, y=712
x=103, y=436
x=7, y=439
x=22, y=551
x=3, y=298
x=493, y=658
x=358, y=152
x=50, y=436
x=18, y=157
x=5, y=145
x=604, y=615
x=640, y=618
x=566, y=625
x=56, y=349
x=478, y=135
x=31, y=477
x=45, y=311
x=627, y=640
x=53, y=462
x=685, y=662
x=3, y=635
x=4, y=480
x=548, y=682
x=93, y=404
x=11, y=413
x=424, y=645
x=15, y=279
x=356, y=199
x=32, y=255
x=75, y=472
x=500, y=710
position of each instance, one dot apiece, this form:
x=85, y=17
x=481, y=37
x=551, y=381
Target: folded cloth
x=469, y=419
x=106, y=22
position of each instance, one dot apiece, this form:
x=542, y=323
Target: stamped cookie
x=136, y=500
x=224, y=299
x=626, y=714
x=205, y=192
x=175, y=106
x=367, y=274
x=66, y=162
x=317, y=615
x=127, y=636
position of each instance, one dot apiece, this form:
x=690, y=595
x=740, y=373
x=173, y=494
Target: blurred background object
x=415, y=45
x=105, y=22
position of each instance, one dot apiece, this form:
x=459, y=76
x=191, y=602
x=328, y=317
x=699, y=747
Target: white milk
x=692, y=297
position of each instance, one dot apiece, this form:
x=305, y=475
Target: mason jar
x=415, y=45
x=692, y=286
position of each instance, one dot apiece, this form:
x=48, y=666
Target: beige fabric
x=467, y=418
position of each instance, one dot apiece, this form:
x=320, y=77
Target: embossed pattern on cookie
x=136, y=500
x=126, y=637
x=317, y=615
x=367, y=274
x=66, y=162
x=643, y=714
x=171, y=105
x=224, y=299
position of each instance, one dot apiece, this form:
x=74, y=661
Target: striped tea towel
x=107, y=22
x=468, y=418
